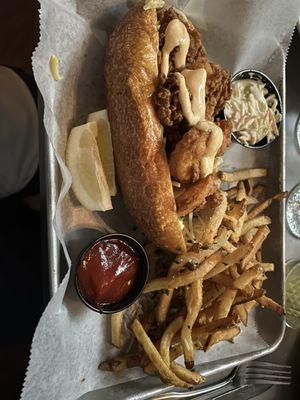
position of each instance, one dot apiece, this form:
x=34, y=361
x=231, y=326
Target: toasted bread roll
x=141, y=163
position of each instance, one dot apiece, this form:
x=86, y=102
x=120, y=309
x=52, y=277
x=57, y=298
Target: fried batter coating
x=195, y=195
x=184, y=160
x=218, y=89
x=209, y=218
x=226, y=127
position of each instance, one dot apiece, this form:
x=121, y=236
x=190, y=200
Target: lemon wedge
x=89, y=183
x=54, y=68
x=105, y=147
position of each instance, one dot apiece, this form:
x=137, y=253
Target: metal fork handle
x=267, y=382
x=202, y=390
x=268, y=365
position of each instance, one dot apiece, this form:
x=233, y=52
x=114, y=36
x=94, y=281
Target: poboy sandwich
x=163, y=98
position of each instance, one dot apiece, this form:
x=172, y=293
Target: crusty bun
x=141, y=163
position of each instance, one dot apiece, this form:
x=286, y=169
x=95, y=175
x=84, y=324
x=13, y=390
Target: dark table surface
x=23, y=287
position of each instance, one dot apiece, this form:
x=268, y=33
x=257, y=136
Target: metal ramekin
x=138, y=286
x=272, y=89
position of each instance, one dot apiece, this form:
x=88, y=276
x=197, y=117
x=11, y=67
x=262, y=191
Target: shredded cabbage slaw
x=253, y=113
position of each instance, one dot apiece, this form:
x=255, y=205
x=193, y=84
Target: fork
x=253, y=372
x=260, y=372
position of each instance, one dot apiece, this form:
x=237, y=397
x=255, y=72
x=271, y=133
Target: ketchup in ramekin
x=111, y=273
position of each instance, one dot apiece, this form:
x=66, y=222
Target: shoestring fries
x=207, y=292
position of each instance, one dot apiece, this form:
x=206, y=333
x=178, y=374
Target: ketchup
x=107, y=271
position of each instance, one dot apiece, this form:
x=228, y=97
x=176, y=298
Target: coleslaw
x=253, y=111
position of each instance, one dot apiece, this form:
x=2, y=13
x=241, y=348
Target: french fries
x=166, y=374
x=224, y=304
x=193, y=258
x=193, y=296
x=255, y=223
x=229, y=247
x=230, y=259
x=233, y=271
x=258, y=255
x=241, y=299
x=233, y=215
x=216, y=324
x=242, y=175
x=209, y=220
x=241, y=191
x=185, y=278
x=210, y=290
x=232, y=192
x=223, y=280
x=163, y=306
x=256, y=242
x=200, y=334
x=175, y=352
x=166, y=298
x=247, y=277
x=116, y=329
x=267, y=267
x=191, y=377
x=242, y=211
x=206, y=314
x=222, y=334
x=165, y=342
x=249, y=305
x=248, y=236
x=265, y=204
x=269, y=303
x=250, y=200
x=240, y=311
x=248, y=290
x=212, y=294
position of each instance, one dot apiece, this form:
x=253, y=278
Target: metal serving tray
x=269, y=326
